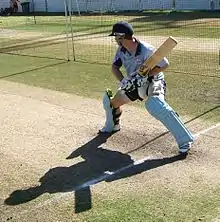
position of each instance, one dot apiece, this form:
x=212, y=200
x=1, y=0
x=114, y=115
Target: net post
x=67, y=36
x=71, y=27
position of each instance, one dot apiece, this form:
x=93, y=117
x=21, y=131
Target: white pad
x=109, y=123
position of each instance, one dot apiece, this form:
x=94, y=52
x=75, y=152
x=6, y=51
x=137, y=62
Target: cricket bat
x=157, y=56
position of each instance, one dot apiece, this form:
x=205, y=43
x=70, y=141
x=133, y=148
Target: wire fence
x=198, y=35
x=83, y=36
x=43, y=36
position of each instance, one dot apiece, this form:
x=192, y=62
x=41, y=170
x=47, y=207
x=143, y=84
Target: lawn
x=193, y=82
x=191, y=24
x=192, y=87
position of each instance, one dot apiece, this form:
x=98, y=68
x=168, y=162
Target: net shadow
x=30, y=70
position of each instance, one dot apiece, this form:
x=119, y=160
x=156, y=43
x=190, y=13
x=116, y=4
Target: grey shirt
x=132, y=61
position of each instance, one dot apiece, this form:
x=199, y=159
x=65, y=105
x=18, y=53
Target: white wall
x=4, y=4
x=55, y=5
x=121, y=5
x=118, y=5
x=158, y=4
x=39, y=5
x=92, y=5
x=193, y=5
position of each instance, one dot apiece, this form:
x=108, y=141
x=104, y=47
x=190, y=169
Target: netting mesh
x=198, y=32
x=33, y=42
x=42, y=36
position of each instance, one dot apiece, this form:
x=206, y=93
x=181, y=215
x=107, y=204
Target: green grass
x=192, y=24
x=193, y=88
x=155, y=205
x=48, y=49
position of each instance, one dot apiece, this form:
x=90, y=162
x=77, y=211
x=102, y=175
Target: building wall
x=122, y=5
x=55, y=5
x=4, y=4
x=158, y=4
x=118, y=5
x=38, y=5
x=196, y=4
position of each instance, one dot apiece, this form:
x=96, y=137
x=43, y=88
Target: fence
x=43, y=41
x=46, y=36
x=129, y=5
x=118, y=5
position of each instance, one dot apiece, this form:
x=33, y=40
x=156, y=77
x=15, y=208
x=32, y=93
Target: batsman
x=150, y=88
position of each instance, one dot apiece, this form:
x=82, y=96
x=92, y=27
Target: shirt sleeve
x=117, y=59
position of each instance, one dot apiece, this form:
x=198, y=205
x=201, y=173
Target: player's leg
x=161, y=110
x=112, y=106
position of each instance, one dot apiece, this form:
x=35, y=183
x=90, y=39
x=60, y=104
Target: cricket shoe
x=105, y=129
x=185, y=148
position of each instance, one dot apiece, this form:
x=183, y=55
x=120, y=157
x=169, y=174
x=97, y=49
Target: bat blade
x=164, y=49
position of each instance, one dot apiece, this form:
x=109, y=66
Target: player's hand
x=139, y=80
x=123, y=83
x=127, y=84
x=150, y=78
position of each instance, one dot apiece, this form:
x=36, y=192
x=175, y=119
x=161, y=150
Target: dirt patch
x=53, y=109
x=185, y=43
x=48, y=134
x=200, y=22
x=16, y=34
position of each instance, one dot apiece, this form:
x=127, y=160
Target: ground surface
x=41, y=128
x=55, y=167
x=184, y=43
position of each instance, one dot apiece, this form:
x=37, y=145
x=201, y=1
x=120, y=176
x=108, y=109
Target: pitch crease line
x=206, y=130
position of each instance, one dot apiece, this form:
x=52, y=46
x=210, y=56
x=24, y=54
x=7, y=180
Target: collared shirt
x=132, y=61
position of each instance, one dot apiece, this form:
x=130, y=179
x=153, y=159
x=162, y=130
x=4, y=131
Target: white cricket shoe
x=105, y=129
x=184, y=149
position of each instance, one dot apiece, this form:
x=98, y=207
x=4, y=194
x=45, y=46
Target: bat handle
x=143, y=73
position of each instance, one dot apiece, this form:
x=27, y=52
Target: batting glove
x=150, y=78
x=123, y=83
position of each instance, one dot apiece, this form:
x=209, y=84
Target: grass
x=150, y=206
x=154, y=204
x=193, y=89
x=150, y=23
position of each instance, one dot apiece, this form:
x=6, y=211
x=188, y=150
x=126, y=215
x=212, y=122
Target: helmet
x=122, y=29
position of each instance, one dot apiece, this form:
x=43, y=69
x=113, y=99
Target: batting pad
x=160, y=109
x=109, y=123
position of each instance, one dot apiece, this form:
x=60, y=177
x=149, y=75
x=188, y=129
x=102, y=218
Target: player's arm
x=117, y=72
x=116, y=65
